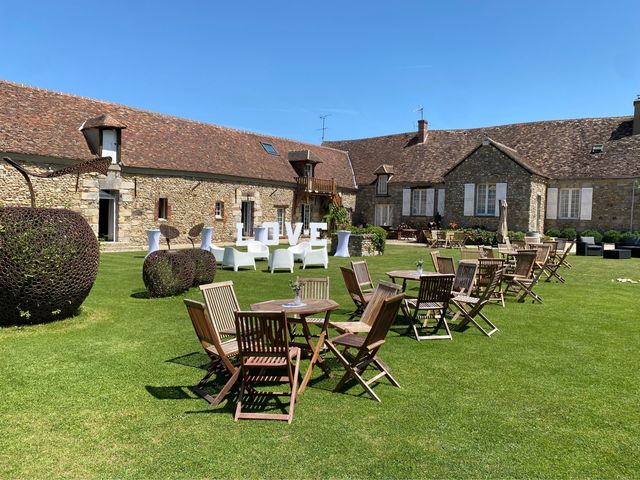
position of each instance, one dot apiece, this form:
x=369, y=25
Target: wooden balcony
x=319, y=186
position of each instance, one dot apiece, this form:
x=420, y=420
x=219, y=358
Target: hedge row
x=610, y=236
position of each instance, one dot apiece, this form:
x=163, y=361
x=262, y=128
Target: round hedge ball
x=48, y=262
x=205, y=266
x=167, y=272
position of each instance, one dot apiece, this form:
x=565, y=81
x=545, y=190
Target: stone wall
x=191, y=199
x=611, y=207
x=490, y=165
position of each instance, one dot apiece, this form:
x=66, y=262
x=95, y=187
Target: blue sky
x=276, y=66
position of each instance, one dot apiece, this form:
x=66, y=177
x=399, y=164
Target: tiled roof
x=384, y=168
x=34, y=121
x=555, y=148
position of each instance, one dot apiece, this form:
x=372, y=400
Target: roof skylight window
x=597, y=148
x=270, y=149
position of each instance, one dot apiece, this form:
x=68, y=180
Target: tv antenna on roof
x=421, y=110
x=324, y=129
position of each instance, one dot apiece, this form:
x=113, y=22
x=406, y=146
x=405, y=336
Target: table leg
x=315, y=358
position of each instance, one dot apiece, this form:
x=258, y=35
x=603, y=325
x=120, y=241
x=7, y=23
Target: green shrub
x=168, y=272
x=378, y=236
x=597, y=236
x=628, y=235
x=517, y=236
x=480, y=236
x=611, y=236
x=569, y=233
x=553, y=232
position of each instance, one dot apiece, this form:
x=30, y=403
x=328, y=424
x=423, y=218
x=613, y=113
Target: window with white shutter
x=552, y=203
x=486, y=199
x=440, y=209
x=501, y=194
x=430, y=200
x=406, y=202
x=586, y=200
x=568, y=203
x=383, y=215
x=469, y=199
x=419, y=202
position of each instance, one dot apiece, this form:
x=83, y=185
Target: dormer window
x=597, y=148
x=381, y=185
x=308, y=170
x=270, y=149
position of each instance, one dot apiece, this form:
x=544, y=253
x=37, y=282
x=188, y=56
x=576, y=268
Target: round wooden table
x=405, y=275
x=310, y=307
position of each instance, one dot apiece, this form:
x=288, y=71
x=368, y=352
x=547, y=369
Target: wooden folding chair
x=434, y=260
x=360, y=298
x=485, y=273
x=363, y=277
x=469, y=308
x=525, y=261
x=465, y=278
x=367, y=348
x=468, y=253
x=562, y=247
x=433, y=299
x=383, y=291
x=312, y=289
x=554, y=264
x=433, y=241
x=220, y=353
x=445, y=265
x=263, y=342
x=487, y=252
x=443, y=239
x=527, y=285
x=459, y=238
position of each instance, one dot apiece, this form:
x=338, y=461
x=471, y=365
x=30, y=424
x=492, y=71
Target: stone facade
x=359, y=246
x=611, y=207
x=191, y=199
x=489, y=165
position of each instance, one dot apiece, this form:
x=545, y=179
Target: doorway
x=108, y=215
x=247, y=218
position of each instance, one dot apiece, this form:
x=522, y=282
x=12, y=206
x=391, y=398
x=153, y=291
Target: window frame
x=389, y=214
x=308, y=170
x=281, y=221
x=218, y=210
x=418, y=205
x=305, y=215
x=571, y=203
x=269, y=148
x=489, y=209
x=163, y=208
x=383, y=180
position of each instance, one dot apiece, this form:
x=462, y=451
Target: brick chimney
x=422, y=127
x=636, y=116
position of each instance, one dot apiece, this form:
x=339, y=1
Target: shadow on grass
x=195, y=360
x=140, y=294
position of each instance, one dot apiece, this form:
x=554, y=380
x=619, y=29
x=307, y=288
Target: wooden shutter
x=501, y=194
x=156, y=211
x=441, y=201
x=430, y=200
x=469, y=200
x=169, y=211
x=406, y=202
x=552, y=203
x=586, y=200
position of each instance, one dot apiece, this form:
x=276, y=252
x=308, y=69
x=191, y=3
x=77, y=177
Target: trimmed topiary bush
x=611, y=236
x=204, y=266
x=48, y=263
x=553, y=232
x=569, y=233
x=168, y=272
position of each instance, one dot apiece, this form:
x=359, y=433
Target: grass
x=554, y=394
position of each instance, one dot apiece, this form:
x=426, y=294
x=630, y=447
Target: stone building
x=579, y=173
x=164, y=168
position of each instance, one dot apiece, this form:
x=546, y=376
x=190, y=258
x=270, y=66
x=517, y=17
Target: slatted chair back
x=361, y=271
x=542, y=254
x=383, y=291
x=446, y=265
x=380, y=326
x=435, y=289
x=442, y=236
x=495, y=279
x=221, y=302
x=434, y=260
x=262, y=334
x=485, y=270
x=207, y=335
x=561, y=244
x=353, y=288
x=469, y=253
x=459, y=238
x=314, y=288
x=565, y=251
x=465, y=277
x=525, y=261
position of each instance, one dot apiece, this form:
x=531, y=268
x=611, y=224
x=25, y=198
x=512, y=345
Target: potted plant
x=296, y=288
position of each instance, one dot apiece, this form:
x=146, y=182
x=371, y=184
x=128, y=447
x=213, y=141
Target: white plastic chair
x=281, y=258
x=299, y=250
x=218, y=252
x=316, y=257
x=235, y=258
x=257, y=249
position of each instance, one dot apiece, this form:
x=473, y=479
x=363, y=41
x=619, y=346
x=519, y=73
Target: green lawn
x=555, y=393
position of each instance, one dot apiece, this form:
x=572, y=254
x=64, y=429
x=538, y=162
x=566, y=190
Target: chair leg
x=294, y=386
x=383, y=368
x=239, y=404
x=227, y=387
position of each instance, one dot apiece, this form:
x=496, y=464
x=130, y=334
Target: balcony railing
x=320, y=186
